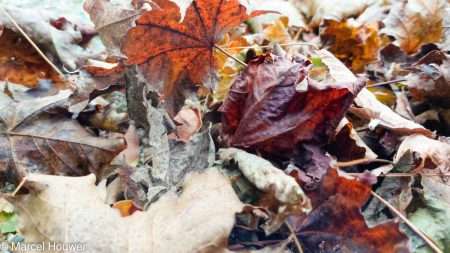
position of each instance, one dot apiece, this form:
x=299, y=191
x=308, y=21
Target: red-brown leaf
x=159, y=38
x=265, y=111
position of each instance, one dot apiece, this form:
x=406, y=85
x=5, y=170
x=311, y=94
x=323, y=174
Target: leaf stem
x=413, y=227
x=222, y=50
x=387, y=82
x=283, y=45
x=295, y=239
x=361, y=161
x=24, y=34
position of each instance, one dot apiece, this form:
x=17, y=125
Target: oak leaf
x=187, y=47
x=36, y=137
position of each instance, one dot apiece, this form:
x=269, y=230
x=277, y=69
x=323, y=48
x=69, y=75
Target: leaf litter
x=226, y=126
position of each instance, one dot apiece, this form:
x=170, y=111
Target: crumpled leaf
x=198, y=220
x=20, y=63
x=355, y=44
x=416, y=22
x=189, y=122
x=187, y=46
x=430, y=79
x=432, y=154
x=267, y=177
x=347, y=137
x=63, y=28
x=112, y=19
x=35, y=140
x=336, y=224
x=282, y=7
x=266, y=111
x=369, y=107
x=432, y=216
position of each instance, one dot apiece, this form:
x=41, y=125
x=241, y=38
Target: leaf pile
x=226, y=125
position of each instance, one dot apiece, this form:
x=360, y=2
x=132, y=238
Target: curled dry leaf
x=416, y=22
x=266, y=111
x=198, y=220
x=35, y=140
x=267, y=177
x=369, y=107
x=188, y=121
x=336, y=222
x=160, y=39
x=432, y=154
x=112, y=19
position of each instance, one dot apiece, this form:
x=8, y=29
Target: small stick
x=387, y=82
x=230, y=55
x=404, y=174
x=296, y=241
x=361, y=161
x=283, y=45
x=422, y=235
x=24, y=34
x=22, y=182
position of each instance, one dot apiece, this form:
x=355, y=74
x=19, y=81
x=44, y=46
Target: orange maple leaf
x=160, y=39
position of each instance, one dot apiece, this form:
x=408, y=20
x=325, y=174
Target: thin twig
x=283, y=45
x=295, y=239
x=230, y=55
x=361, y=161
x=24, y=34
x=404, y=174
x=22, y=182
x=413, y=227
x=387, y=82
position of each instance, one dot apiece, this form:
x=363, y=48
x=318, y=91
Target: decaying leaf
x=187, y=46
x=64, y=29
x=267, y=177
x=35, y=140
x=432, y=216
x=416, y=22
x=188, y=121
x=73, y=210
x=112, y=20
x=432, y=154
x=379, y=114
x=354, y=44
x=335, y=224
x=20, y=63
x=264, y=110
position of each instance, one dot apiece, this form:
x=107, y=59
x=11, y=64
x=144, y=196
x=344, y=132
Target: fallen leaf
x=355, y=44
x=188, y=121
x=431, y=154
x=35, y=140
x=264, y=110
x=267, y=177
x=432, y=217
x=415, y=22
x=347, y=137
x=21, y=64
x=198, y=220
x=320, y=10
x=369, y=107
x=187, y=46
x=126, y=207
x=112, y=19
x=64, y=30
x=336, y=223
